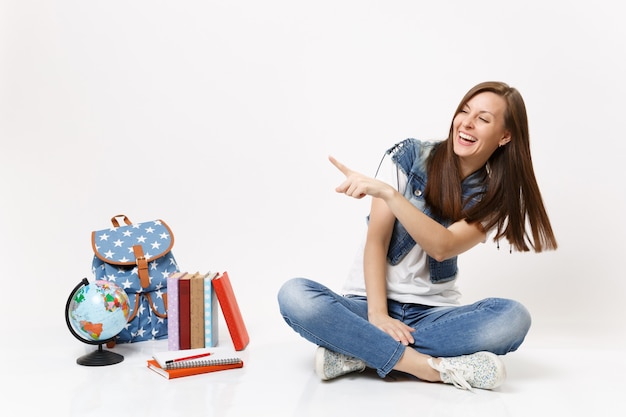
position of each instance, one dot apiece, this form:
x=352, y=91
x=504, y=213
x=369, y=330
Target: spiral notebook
x=192, y=358
x=181, y=372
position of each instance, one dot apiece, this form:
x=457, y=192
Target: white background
x=218, y=117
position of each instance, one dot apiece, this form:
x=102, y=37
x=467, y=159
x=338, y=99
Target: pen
x=202, y=355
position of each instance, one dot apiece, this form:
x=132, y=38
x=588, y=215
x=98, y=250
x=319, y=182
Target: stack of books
x=176, y=364
x=193, y=300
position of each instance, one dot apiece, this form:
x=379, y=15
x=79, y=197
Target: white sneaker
x=329, y=364
x=482, y=370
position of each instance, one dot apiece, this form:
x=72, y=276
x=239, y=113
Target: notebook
x=181, y=372
x=193, y=358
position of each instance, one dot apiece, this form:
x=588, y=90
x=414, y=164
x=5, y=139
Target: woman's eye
x=484, y=120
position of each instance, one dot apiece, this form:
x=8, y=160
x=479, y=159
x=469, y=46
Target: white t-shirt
x=409, y=280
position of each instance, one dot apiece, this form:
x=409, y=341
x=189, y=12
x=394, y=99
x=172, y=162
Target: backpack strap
x=125, y=219
x=153, y=307
x=150, y=303
x=142, y=266
x=135, y=310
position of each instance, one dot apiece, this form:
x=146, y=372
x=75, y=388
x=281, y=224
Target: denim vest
x=411, y=156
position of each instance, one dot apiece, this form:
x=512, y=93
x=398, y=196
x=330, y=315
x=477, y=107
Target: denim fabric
x=411, y=157
x=340, y=324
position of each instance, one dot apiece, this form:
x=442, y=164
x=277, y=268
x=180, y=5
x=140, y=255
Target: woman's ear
x=505, y=139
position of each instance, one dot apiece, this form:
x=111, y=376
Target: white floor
x=545, y=377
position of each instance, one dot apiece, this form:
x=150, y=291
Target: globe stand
x=100, y=357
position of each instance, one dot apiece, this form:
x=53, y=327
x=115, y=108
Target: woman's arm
x=379, y=230
x=439, y=242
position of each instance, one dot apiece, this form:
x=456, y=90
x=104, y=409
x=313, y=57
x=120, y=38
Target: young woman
x=432, y=201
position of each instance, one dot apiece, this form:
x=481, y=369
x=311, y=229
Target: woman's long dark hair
x=512, y=201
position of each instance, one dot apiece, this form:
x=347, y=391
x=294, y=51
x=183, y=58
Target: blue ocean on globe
x=99, y=311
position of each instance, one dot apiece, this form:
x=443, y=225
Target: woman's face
x=478, y=130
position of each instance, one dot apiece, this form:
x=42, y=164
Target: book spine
x=211, y=325
x=173, y=337
x=184, y=312
x=196, y=311
x=232, y=313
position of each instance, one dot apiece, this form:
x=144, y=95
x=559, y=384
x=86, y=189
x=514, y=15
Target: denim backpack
x=138, y=258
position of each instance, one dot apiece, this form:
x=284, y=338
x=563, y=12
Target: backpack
x=138, y=258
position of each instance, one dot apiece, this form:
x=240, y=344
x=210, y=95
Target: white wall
x=218, y=116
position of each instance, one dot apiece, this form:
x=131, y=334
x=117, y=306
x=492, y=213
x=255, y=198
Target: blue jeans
x=340, y=323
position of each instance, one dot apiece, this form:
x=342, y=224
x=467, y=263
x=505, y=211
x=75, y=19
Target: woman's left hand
x=393, y=327
x=358, y=185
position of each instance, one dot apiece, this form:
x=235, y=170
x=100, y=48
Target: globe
x=95, y=313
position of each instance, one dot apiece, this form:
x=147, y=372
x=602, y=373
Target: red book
x=230, y=309
x=184, y=312
x=196, y=370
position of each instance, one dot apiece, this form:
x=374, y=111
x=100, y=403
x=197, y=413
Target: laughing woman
x=431, y=201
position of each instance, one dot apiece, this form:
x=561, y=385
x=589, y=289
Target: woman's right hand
x=393, y=327
x=358, y=185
